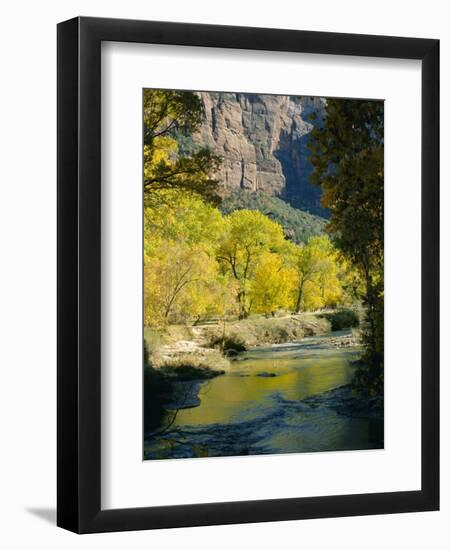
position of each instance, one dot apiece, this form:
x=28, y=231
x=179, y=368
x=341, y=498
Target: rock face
x=262, y=140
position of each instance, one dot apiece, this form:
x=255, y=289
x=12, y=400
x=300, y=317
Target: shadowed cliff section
x=263, y=140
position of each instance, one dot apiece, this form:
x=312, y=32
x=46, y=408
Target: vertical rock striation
x=263, y=142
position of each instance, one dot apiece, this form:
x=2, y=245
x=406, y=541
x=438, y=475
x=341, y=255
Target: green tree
x=165, y=112
x=347, y=153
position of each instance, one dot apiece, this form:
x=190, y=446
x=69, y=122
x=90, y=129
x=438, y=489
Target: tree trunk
x=223, y=334
x=243, y=313
x=298, y=305
x=370, y=299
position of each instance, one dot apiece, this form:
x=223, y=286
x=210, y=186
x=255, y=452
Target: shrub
x=228, y=343
x=345, y=318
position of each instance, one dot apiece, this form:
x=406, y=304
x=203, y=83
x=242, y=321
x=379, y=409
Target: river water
x=275, y=399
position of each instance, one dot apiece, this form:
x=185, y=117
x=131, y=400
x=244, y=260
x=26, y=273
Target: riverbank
x=282, y=398
x=180, y=359
x=198, y=346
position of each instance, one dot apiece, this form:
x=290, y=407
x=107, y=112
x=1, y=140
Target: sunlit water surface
x=259, y=407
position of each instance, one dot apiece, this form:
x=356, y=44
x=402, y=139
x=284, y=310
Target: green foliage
x=347, y=153
x=298, y=225
x=166, y=110
x=186, y=145
x=165, y=113
x=342, y=319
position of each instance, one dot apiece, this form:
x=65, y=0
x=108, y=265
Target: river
x=277, y=399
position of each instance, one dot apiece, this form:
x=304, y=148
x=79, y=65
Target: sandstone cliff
x=262, y=140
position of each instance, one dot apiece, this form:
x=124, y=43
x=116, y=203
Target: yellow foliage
x=272, y=284
x=176, y=278
x=199, y=264
x=316, y=266
x=182, y=216
x=248, y=235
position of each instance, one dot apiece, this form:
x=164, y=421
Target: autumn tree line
x=199, y=263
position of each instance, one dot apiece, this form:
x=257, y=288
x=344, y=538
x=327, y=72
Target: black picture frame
x=79, y=281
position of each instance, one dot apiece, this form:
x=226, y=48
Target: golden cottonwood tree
x=180, y=270
x=183, y=216
x=176, y=281
x=272, y=284
x=317, y=283
x=247, y=235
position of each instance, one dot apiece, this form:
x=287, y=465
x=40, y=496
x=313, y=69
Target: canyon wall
x=262, y=140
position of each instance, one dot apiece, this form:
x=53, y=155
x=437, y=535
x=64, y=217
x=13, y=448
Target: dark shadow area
x=293, y=154
x=46, y=514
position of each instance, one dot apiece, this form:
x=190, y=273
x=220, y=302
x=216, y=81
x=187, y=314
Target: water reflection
x=258, y=407
x=241, y=395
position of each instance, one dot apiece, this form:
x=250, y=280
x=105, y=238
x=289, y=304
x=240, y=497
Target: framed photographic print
x=248, y=240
